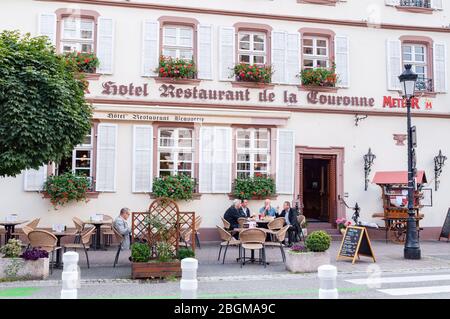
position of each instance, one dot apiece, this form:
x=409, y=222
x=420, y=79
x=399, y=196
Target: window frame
x=178, y=47
x=252, y=151
x=251, y=51
x=77, y=41
x=413, y=53
x=175, y=150
x=315, y=57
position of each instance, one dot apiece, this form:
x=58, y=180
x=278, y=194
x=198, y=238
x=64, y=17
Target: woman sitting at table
x=268, y=210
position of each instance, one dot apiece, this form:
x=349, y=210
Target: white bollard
x=327, y=276
x=188, y=282
x=70, y=276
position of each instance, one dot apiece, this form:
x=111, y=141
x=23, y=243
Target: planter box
x=306, y=262
x=21, y=268
x=155, y=269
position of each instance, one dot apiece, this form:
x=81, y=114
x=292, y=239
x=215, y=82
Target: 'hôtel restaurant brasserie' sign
x=171, y=91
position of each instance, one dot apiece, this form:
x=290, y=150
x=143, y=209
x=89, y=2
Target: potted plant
x=32, y=264
x=66, y=188
x=176, y=68
x=185, y=252
x=256, y=187
x=165, y=264
x=309, y=257
x=85, y=62
x=175, y=187
x=252, y=73
x=319, y=77
x=342, y=224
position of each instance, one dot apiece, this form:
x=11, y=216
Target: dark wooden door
x=316, y=188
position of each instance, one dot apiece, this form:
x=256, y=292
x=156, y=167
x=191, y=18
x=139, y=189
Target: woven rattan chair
x=25, y=230
x=227, y=240
x=280, y=236
x=198, y=222
x=275, y=225
x=226, y=224
x=79, y=227
x=241, y=221
x=44, y=240
x=185, y=237
x=253, y=239
x=119, y=239
x=86, y=237
x=107, y=231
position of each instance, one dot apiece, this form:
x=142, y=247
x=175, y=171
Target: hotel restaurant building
x=310, y=139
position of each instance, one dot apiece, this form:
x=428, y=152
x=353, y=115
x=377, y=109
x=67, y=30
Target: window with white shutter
x=34, y=179
x=342, y=60
x=279, y=53
x=215, y=160
x=77, y=35
x=47, y=26
x=252, y=152
x=285, y=161
x=105, y=45
x=142, y=158
x=175, y=151
x=205, y=60
x=106, y=157
x=226, y=52
x=394, y=64
x=150, y=47
x=293, y=58
x=437, y=4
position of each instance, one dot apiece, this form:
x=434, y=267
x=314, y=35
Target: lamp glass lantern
x=440, y=159
x=408, y=80
x=369, y=158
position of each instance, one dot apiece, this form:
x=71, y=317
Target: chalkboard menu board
x=445, y=232
x=355, y=242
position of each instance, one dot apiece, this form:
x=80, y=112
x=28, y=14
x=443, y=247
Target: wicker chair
x=275, y=225
x=107, y=231
x=119, y=240
x=253, y=239
x=227, y=240
x=25, y=230
x=86, y=237
x=185, y=237
x=226, y=224
x=198, y=222
x=280, y=236
x=241, y=221
x=44, y=240
x=79, y=226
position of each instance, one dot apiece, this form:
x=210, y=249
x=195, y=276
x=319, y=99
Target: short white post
x=327, y=277
x=188, y=282
x=70, y=276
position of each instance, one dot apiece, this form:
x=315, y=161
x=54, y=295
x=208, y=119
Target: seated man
x=232, y=214
x=268, y=210
x=244, y=210
x=290, y=217
x=122, y=226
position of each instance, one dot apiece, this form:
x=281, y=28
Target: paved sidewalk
x=436, y=256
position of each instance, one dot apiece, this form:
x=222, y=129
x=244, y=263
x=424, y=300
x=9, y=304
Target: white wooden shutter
x=150, y=47
x=393, y=2
x=293, y=58
x=440, y=67
x=142, y=158
x=394, y=64
x=105, y=45
x=206, y=160
x=285, y=161
x=221, y=175
x=437, y=4
x=47, y=26
x=106, y=157
x=226, y=53
x=342, y=60
x=34, y=179
x=205, y=52
x=279, y=43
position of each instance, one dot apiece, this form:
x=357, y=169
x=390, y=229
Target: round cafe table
x=98, y=231
x=10, y=228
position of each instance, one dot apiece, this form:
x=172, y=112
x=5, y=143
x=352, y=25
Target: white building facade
x=214, y=128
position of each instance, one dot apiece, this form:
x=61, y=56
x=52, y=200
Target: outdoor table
x=252, y=251
x=10, y=228
x=98, y=231
x=60, y=235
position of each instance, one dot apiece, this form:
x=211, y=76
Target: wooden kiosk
x=394, y=187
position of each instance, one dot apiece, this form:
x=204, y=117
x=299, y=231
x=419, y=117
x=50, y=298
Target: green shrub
x=175, y=187
x=164, y=251
x=140, y=253
x=67, y=187
x=318, y=241
x=185, y=253
x=258, y=186
x=12, y=249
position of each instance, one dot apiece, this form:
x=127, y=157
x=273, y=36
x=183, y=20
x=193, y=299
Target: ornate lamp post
x=412, y=249
x=368, y=161
x=439, y=162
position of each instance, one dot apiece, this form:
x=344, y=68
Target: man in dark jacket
x=232, y=214
x=290, y=216
x=244, y=210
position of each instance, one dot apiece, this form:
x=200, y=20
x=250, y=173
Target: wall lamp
x=439, y=162
x=368, y=162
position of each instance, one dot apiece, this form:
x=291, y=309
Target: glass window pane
x=86, y=34
x=185, y=157
x=307, y=50
x=258, y=47
x=322, y=63
x=407, y=48
x=244, y=37
x=86, y=48
x=419, y=49
x=261, y=134
x=243, y=144
x=243, y=166
x=260, y=157
x=183, y=133
x=262, y=144
x=164, y=173
x=243, y=134
x=420, y=58
x=321, y=51
x=83, y=163
x=242, y=157
x=186, y=54
x=244, y=46
x=170, y=53
x=187, y=173
x=170, y=32
x=166, y=165
x=260, y=167
x=164, y=156
x=243, y=175
x=258, y=38
x=186, y=33
x=244, y=58
x=322, y=43
x=258, y=59
x=308, y=63
x=307, y=42
x=185, y=166
x=407, y=57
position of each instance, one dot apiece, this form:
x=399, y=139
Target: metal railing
x=416, y=3
x=424, y=85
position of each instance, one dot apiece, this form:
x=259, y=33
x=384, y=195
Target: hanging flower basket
x=253, y=73
x=85, y=62
x=176, y=68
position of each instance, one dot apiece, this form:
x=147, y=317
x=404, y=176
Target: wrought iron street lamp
x=368, y=162
x=412, y=248
x=439, y=162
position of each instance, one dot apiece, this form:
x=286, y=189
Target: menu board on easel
x=355, y=243
x=445, y=231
